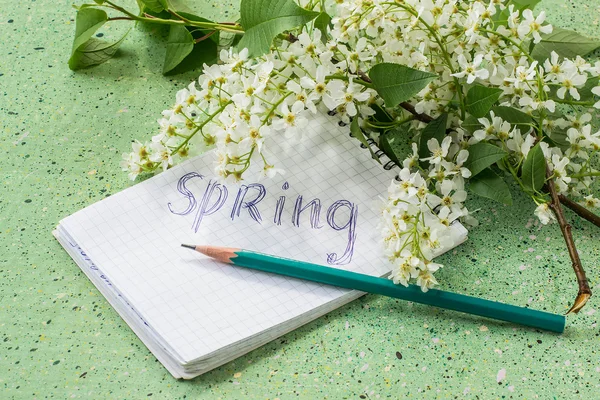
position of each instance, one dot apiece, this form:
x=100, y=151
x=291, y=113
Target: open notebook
x=194, y=313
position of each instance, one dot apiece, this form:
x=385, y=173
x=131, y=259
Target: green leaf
x=565, y=43
x=179, y=6
x=558, y=138
x=396, y=83
x=482, y=155
x=394, y=144
x=357, y=133
x=229, y=40
x=533, y=173
x=88, y=21
x=94, y=52
x=179, y=44
x=471, y=124
x=489, y=185
x=480, y=99
x=154, y=5
x=436, y=129
x=515, y=117
x=524, y=4
x=264, y=19
x=204, y=52
x=321, y=23
x=381, y=115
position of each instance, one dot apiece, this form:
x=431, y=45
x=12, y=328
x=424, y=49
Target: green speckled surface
x=62, y=135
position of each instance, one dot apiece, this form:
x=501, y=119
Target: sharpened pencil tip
x=189, y=246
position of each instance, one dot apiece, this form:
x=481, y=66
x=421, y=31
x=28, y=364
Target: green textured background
x=62, y=135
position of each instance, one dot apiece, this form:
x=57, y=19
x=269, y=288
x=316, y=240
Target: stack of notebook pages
x=195, y=314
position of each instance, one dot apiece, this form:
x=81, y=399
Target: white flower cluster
x=570, y=160
x=419, y=209
x=572, y=164
x=242, y=102
x=240, y=105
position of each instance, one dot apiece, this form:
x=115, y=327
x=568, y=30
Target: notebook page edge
x=170, y=364
x=62, y=233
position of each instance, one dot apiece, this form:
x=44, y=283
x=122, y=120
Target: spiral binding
x=387, y=162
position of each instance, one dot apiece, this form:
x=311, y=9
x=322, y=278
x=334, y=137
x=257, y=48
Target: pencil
x=384, y=286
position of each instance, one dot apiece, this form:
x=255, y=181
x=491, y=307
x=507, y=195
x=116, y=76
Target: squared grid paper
x=197, y=305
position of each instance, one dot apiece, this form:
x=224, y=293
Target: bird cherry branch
x=580, y=210
x=584, y=292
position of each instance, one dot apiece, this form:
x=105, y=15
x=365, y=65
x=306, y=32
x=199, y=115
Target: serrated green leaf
x=524, y=4
x=394, y=144
x=94, y=52
x=396, y=83
x=480, y=99
x=88, y=21
x=154, y=5
x=436, y=129
x=512, y=115
x=381, y=114
x=533, y=173
x=558, y=138
x=204, y=52
x=264, y=19
x=357, y=133
x=179, y=44
x=565, y=43
x=321, y=23
x=515, y=117
x=489, y=185
x=482, y=155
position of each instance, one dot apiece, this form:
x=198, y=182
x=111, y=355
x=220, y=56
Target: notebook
x=195, y=314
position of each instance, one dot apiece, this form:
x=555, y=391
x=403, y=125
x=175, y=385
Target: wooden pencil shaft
x=383, y=286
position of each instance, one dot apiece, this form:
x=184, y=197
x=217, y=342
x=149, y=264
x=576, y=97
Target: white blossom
x=545, y=214
x=243, y=105
x=470, y=69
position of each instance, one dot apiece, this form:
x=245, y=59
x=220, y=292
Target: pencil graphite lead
x=189, y=246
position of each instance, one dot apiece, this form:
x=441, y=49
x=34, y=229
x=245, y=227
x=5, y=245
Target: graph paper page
x=322, y=210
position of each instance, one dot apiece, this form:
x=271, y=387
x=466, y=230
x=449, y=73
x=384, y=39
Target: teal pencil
x=385, y=287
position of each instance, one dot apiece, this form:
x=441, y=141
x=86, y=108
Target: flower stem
x=583, y=175
x=574, y=103
x=182, y=21
x=584, y=292
x=199, y=128
x=362, y=82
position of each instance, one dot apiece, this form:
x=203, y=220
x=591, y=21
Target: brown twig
x=209, y=34
x=580, y=210
x=584, y=289
x=418, y=116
